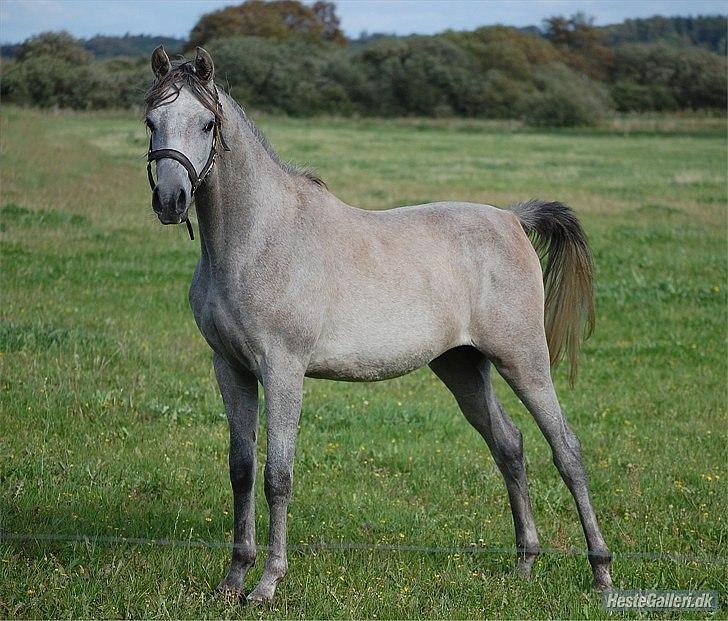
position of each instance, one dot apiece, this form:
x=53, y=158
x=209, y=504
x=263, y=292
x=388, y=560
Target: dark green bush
x=504, y=97
x=692, y=77
x=290, y=76
x=13, y=85
x=431, y=76
x=494, y=72
x=118, y=83
x=566, y=99
x=51, y=69
x=629, y=96
x=46, y=81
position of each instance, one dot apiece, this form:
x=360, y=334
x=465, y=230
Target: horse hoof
x=524, y=561
x=256, y=599
x=261, y=595
x=602, y=579
x=230, y=590
x=230, y=595
x=523, y=569
x=602, y=585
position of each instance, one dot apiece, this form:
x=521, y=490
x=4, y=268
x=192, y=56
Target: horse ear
x=160, y=63
x=203, y=65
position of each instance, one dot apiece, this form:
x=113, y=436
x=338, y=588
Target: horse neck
x=244, y=200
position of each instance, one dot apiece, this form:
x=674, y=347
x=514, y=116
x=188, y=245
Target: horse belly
x=370, y=348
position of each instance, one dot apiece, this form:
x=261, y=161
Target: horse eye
x=149, y=124
x=209, y=126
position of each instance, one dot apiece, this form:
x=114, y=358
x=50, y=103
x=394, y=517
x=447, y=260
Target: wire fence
x=367, y=547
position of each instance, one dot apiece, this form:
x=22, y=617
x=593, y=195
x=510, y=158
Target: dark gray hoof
x=602, y=583
x=602, y=576
x=230, y=588
x=524, y=562
x=258, y=600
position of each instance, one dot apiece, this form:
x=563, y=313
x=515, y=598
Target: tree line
x=284, y=56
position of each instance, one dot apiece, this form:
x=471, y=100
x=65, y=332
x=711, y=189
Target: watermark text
x=697, y=601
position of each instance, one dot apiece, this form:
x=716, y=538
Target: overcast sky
x=84, y=18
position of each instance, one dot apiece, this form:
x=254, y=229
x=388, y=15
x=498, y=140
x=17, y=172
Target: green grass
x=111, y=423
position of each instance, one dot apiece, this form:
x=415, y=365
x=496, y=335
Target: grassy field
x=111, y=423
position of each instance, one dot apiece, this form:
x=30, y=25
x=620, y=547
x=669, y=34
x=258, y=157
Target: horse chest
x=223, y=325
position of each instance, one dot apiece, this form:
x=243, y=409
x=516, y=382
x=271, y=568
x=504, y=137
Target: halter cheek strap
x=195, y=179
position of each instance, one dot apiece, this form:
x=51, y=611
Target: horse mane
x=288, y=166
x=165, y=91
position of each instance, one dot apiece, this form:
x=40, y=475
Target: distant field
x=111, y=423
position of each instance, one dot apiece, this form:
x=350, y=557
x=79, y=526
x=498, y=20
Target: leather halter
x=195, y=178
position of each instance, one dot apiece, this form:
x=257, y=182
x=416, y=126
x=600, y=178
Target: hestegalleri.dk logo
x=696, y=601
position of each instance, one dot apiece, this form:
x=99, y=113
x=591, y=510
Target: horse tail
x=562, y=245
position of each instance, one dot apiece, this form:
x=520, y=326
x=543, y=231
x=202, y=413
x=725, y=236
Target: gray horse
x=292, y=282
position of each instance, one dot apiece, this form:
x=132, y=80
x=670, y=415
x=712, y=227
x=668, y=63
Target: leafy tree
x=582, y=42
x=59, y=45
x=279, y=19
x=331, y=26
x=505, y=49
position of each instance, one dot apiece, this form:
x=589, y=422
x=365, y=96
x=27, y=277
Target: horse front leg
x=283, y=385
x=239, y=391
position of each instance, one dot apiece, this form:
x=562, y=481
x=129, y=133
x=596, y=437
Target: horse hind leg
x=466, y=373
x=526, y=368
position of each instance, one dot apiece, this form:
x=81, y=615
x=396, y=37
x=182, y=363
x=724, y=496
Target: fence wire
x=366, y=547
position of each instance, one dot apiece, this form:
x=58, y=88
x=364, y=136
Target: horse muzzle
x=171, y=205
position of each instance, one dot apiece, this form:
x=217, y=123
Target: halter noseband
x=195, y=179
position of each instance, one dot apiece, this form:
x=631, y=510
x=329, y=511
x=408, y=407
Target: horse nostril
x=181, y=201
x=156, y=203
